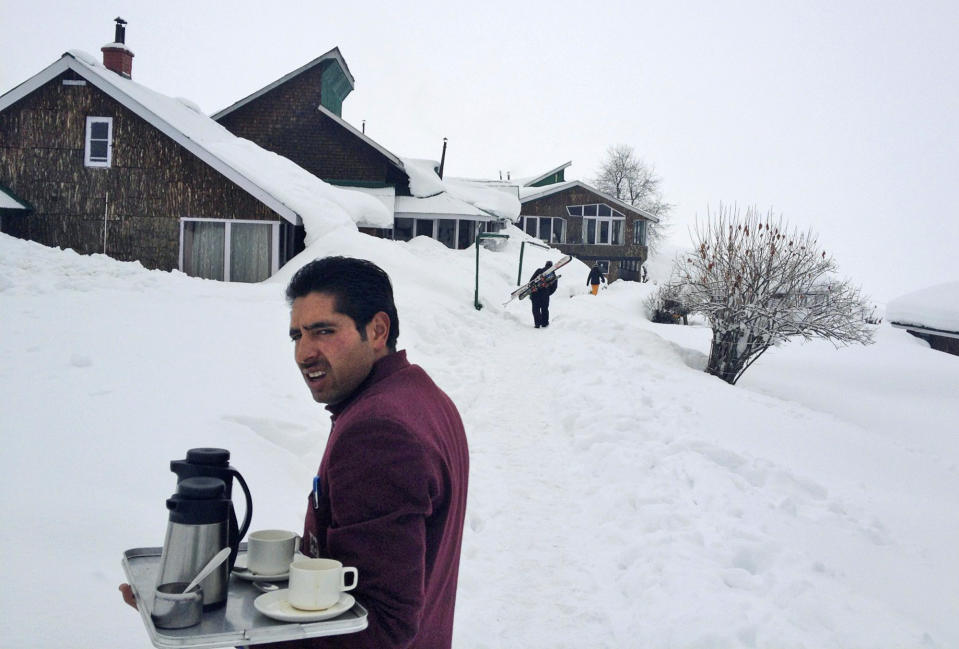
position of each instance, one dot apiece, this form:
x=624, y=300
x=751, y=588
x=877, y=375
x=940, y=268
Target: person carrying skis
x=540, y=296
x=595, y=277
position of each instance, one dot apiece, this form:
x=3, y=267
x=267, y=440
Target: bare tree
x=632, y=180
x=759, y=283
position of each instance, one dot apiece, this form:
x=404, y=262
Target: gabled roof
x=352, y=129
x=332, y=55
x=532, y=181
x=527, y=194
x=285, y=188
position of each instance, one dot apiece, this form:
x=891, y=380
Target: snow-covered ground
x=619, y=496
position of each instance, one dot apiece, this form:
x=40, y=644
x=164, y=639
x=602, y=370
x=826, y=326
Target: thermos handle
x=249, y=506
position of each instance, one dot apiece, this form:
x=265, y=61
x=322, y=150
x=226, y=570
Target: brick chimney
x=116, y=55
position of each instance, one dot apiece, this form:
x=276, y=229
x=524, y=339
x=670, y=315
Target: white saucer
x=241, y=571
x=276, y=605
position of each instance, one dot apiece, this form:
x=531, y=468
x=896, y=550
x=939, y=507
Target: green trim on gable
x=334, y=87
x=558, y=177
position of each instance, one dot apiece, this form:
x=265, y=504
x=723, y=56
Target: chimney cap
x=119, y=21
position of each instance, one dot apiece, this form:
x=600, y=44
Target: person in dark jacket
x=540, y=297
x=595, y=277
x=393, y=479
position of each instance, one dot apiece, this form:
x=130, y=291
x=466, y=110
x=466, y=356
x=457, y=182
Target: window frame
x=227, y=252
x=608, y=221
x=88, y=139
x=598, y=223
x=537, y=231
x=470, y=226
x=639, y=232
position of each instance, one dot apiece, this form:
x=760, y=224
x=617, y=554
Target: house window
x=446, y=232
x=453, y=233
x=639, y=232
x=604, y=231
x=99, y=142
x=602, y=224
x=402, y=228
x=603, y=265
x=424, y=227
x=466, y=233
x=551, y=229
x=231, y=251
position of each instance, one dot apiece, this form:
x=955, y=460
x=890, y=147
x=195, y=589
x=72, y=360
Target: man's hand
x=128, y=595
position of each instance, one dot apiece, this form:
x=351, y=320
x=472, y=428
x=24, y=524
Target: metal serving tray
x=235, y=625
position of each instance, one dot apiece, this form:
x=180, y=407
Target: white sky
x=840, y=116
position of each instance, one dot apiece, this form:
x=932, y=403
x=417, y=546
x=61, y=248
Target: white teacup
x=269, y=552
x=316, y=584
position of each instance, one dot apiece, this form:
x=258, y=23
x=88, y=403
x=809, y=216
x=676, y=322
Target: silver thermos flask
x=198, y=528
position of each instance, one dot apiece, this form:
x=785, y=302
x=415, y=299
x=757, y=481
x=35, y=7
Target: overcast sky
x=841, y=116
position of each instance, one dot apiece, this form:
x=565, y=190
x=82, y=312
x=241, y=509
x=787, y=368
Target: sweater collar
x=389, y=364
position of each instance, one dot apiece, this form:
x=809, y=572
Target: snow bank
x=619, y=497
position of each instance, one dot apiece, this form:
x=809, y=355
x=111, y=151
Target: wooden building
x=583, y=222
x=300, y=117
x=100, y=163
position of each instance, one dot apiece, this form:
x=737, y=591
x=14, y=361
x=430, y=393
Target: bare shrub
x=759, y=283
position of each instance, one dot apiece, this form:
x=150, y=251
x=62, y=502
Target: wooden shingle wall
x=151, y=184
x=286, y=120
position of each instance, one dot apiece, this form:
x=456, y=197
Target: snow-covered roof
x=527, y=194
x=424, y=183
x=438, y=206
x=530, y=181
x=385, y=195
x=289, y=190
x=932, y=310
x=8, y=201
x=333, y=55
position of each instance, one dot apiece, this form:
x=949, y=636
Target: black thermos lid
x=199, y=501
x=208, y=456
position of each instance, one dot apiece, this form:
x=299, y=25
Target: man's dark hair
x=360, y=288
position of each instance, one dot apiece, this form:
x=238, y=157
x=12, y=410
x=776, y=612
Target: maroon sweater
x=394, y=478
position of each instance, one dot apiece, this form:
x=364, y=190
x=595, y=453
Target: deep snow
x=619, y=496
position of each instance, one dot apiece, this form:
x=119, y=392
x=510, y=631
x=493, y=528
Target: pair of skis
x=539, y=281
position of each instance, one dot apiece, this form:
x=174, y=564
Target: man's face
x=332, y=356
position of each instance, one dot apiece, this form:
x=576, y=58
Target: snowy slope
x=619, y=497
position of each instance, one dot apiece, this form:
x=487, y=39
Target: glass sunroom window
x=446, y=232
x=546, y=229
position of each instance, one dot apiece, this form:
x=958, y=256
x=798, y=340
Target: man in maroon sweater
x=393, y=478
